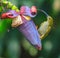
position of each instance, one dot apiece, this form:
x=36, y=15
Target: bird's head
x=50, y=20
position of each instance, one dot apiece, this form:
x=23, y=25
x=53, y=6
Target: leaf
x=1, y=8
x=4, y=25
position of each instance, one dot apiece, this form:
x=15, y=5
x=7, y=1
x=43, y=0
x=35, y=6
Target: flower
x=29, y=30
x=28, y=27
x=10, y=14
x=25, y=10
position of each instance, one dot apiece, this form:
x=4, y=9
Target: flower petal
x=29, y=30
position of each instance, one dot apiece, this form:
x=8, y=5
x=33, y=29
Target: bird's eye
x=49, y=18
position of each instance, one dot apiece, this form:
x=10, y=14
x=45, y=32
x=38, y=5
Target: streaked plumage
x=45, y=27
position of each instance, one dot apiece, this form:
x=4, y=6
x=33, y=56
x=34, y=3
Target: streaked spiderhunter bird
x=22, y=20
x=46, y=26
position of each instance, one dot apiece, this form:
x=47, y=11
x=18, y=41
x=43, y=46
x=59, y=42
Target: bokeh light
x=56, y=6
x=48, y=46
x=59, y=56
x=29, y=48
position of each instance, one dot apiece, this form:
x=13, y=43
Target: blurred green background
x=14, y=45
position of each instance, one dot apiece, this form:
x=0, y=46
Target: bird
x=46, y=26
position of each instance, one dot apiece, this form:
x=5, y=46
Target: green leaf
x=1, y=8
x=5, y=24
